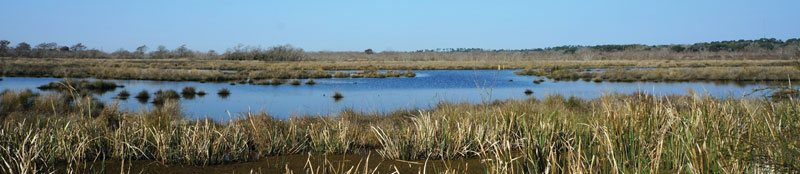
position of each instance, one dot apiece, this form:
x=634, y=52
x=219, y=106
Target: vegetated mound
x=99, y=86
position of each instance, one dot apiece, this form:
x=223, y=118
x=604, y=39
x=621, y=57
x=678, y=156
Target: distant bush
x=123, y=95
x=295, y=82
x=276, y=53
x=189, y=90
x=224, y=91
x=162, y=96
x=81, y=86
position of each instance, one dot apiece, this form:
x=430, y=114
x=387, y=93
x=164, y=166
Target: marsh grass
x=223, y=92
x=276, y=82
x=776, y=73
x=13, y=101
x=201, y=93
x=229, y=70
x=189, y=90
x=310, y=82
x=337, y=96
x=143, y=95
x=81, y=86
x=161, y=96
x=341, y=74
x=295, y=82
x=123, y=95
x=615, y=133
x=409, y=73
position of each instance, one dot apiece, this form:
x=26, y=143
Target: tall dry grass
x=616, y=133
x=741, y=74
x=230, y=70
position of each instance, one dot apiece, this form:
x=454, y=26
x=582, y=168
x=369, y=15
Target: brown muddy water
x=300, y=163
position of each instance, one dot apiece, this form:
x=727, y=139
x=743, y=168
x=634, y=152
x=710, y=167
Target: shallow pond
x=384, y=94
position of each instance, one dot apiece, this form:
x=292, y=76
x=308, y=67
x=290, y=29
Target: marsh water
x=424, y=91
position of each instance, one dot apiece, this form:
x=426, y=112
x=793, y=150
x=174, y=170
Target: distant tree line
x=735, y=49
x=240, y=52
x=276, y=53
x=51, y=49
x=733, y=46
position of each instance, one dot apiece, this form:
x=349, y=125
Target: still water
x=383, y=94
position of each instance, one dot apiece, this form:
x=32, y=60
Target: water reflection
x=224, y=93
x=188, y=96
x=380, y=94
x=337, y=96
x=143, y=97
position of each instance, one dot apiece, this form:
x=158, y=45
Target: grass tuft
x=123, y=95
x=337, y=95
x=295, y=82
x=310, y=82
x=223, y=92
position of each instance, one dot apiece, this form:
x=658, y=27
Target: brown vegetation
x=618, y=133
x=749, y=73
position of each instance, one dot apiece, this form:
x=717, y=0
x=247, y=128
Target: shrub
x=81, y=86
x=189, y=90
x=276, y=82
x=409, y=73
x=16, y=100
x=337, y=95
x=143, y=95
x=295, y=82
x=341, y=74
x=224, y=91
x=162, y=96
x=123, y=95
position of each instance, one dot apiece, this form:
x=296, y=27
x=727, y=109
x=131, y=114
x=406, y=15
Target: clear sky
x=344, y=25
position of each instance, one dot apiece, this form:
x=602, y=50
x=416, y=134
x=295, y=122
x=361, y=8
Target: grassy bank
x=255, y=71
x=103, y=71
x=252, y=65
x=615, y=133
x=741, y=74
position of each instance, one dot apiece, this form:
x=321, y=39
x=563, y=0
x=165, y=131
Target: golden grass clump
x=620, y=133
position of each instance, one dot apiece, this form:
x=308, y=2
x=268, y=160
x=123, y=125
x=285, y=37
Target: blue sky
x=392, y=25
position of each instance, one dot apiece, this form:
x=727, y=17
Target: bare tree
x=78, y=50
x=182, y=51
x=161, y=52
x=122, y=54
x=78, y=47
x=23, y=49
x=141, y=51
x=4, y=50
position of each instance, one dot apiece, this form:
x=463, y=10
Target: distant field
x=238, y=70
